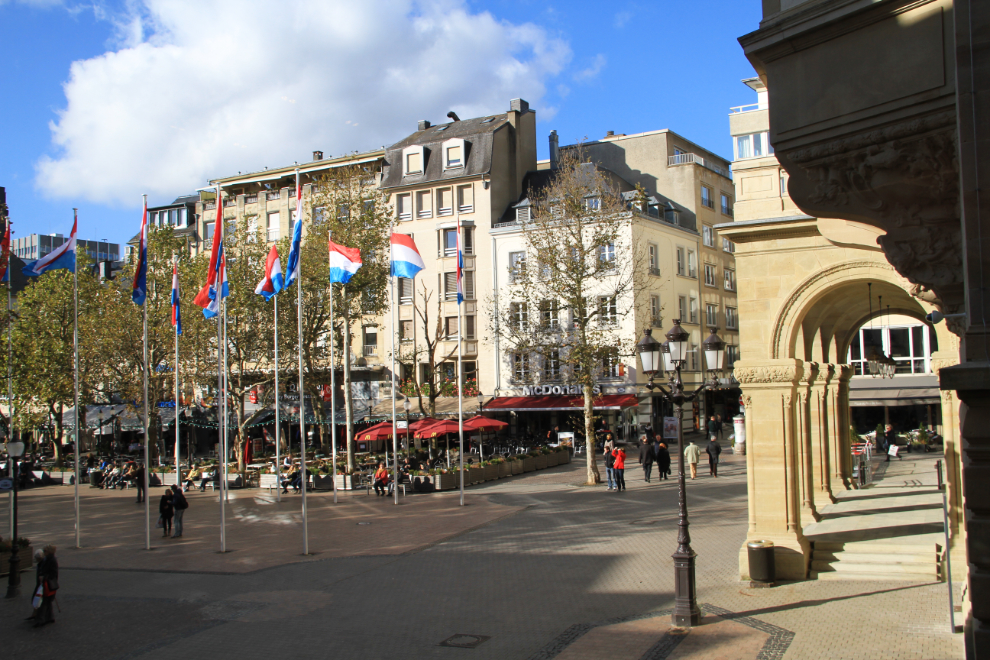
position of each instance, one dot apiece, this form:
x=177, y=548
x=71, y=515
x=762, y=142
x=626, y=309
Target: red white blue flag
x=216, y=277
x=139, y=290
x=5, y=255
x=64, y=256
x=344, y=262
x=176, y=315
x=460, y=264
x=272, y=282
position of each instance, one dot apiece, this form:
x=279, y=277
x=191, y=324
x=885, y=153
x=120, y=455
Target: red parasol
x=484, y=424
x=436, y=429
x=380, y=431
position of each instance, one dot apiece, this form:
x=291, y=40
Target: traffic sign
x=6, y=485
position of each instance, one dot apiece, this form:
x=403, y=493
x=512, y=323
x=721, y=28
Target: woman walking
x=49, y=584
x=647, y=456
x=713, y=450
x=620, y=468
x=166, y=511
x=663, y=460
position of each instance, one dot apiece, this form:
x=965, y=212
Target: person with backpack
x=179, y=505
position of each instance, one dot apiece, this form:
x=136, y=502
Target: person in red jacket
x=619, y=468
x=382, y=478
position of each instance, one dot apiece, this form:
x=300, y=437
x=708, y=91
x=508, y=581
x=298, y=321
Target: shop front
x=535, y=415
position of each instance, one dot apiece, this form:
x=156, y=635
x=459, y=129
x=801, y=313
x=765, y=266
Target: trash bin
x=761, y=565
x=95, y=477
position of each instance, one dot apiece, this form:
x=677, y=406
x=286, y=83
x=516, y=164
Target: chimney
x=518, y=105
x=554, y=151
x=423, y=125
x=453, y=115
x=610, y=134
x=317, y=155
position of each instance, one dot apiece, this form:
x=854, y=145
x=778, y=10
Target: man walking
x=713, y=450
x=609, y=466
x=889, y=441
x=180, y=504
x=691, y=454
x=139, y=482
x=712, y=427
x=647, y=456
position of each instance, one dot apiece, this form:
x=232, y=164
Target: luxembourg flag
x=216, y=287
x=272, y=282
x=460, y=264
x=64, y=256
x=139, y=290
x=176, y=315
x=406, y=261
x=5, y=255
x=294, y=252
x=344, y=262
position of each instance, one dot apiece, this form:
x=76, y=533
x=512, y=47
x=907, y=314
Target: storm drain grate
x=465, y=641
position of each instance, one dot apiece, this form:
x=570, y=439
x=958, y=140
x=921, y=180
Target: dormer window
x=412, y=161
x=453, y=154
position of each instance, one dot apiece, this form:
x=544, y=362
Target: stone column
x=840, y=460
x=804, y=440
x=823, y=428
x=774, y=476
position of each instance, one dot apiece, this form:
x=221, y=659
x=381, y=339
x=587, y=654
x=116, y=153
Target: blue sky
x=105, y=101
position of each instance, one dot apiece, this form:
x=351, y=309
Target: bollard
x=762, y=571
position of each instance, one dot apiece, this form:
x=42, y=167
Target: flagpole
x=226, y=400
x=333, y=396
x=278, y=421
x=147, y=426
x=302, y=400
x=395, y=452
x=220, y=418
x=75, y=349
x=460, y=362
x=10, y=379
x=178, y=446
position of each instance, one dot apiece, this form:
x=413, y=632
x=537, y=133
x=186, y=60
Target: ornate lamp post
x=670, y=357
x=14, y=451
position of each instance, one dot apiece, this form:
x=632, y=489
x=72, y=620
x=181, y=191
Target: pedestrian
x=38, y=593
x=712, y=427
x=619, y=468
x=381, y=480
x=165, y=513
x=691, y=454
x=718, y=425
x=647, y=456
x=609, y=466
x=663, y=459
x=180, y=504
x=139, y=482
x=713, y=450
x=890, y=440
x=49, y=585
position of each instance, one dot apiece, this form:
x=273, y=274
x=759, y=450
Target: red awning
x=550, y=403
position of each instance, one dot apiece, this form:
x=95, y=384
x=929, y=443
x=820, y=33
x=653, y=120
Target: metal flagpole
x=278, y=420
x=219, y=402
x=460, y=369
x=75, y=407
x=395, y=453
x=302, y=400
x=147, y=426
x=226, y=383
x=333, y=397
x=178, y=446
x=10, y=384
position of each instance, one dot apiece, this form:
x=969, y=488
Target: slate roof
x=478, y=137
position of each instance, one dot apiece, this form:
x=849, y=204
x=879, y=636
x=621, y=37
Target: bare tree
x=560, y=316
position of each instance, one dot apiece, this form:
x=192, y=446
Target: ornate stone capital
x=810, y=375
x=768, y=373
x=825, y=373
x=843, y=373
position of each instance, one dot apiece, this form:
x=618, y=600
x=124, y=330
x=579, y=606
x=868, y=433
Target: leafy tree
x=560, y=317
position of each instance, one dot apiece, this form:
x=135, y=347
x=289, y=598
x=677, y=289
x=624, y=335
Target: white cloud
x=622, y=18
x=205, y=89
x=597, y=64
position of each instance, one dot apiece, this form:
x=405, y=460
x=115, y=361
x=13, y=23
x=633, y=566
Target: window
x=252, y=228
x=450, y=286
x=519, y=316
x=711, y=315
x=611, y=367
x=445, y=201
x=403, y=206
x=274, y=225
x=523, y=214
x=412, y=158
x=371, y=341
x=469, y=327
x=681, y=262
x=692, y=264
x=783, y=182
x=708, y=236
x=450, y=327
x=606, y=256
x=731, y=356
x=726, y=205
x=730, y=279
x=654, y=259
x=707, y=197
x=682, y=308
x=468, y=281
x=693, y=357
x=608, y=311
x=550, y=314
x=517, y=266
x=728, y=246
x=405, y=291
x=731, y=318
x=208, y=231
x=467, y=236
x=655, y=311
x=693, y=309
x=711, y=278
x=551, y=366
x=593, y=203
x=520, y=366
x=453, y=154
x=405, y=330
x=424, y=204
x=449, y=242
x=754, y=145
x=465, y=199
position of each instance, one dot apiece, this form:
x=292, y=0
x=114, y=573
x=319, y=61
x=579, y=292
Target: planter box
x=516, y=467
x=541, y=462
x=504, y=470
x=529, y=464
x=491, y=472
x=347, y=481
x=565, y=457
x=447, y=481
x=26, y=555
x=553, y=460
x=474, y=475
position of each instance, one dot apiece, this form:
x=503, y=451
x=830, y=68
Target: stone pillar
x=774, y=475
x=804, y=440
x=823, y=428
x=840, y=460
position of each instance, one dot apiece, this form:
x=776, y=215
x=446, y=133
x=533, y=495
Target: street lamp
x=672, y=355
x=14, y=451
x=407, y=405
x=481, y=402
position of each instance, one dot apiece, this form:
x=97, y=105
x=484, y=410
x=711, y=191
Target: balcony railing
x=727, y=210
x=272, y=195
x=209, y=205
x=371, y=350
x=752, y=107
x=229, y=201
x=654, y=271
x=686, y=159
x=251, y=199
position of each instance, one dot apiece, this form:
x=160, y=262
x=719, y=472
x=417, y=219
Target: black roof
x=477, y=134
x=182, y=200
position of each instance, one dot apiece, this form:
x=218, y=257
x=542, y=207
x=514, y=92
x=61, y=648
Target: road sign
x=6, y=485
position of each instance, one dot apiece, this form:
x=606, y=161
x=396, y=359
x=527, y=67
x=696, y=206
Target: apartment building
x=35, y=246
